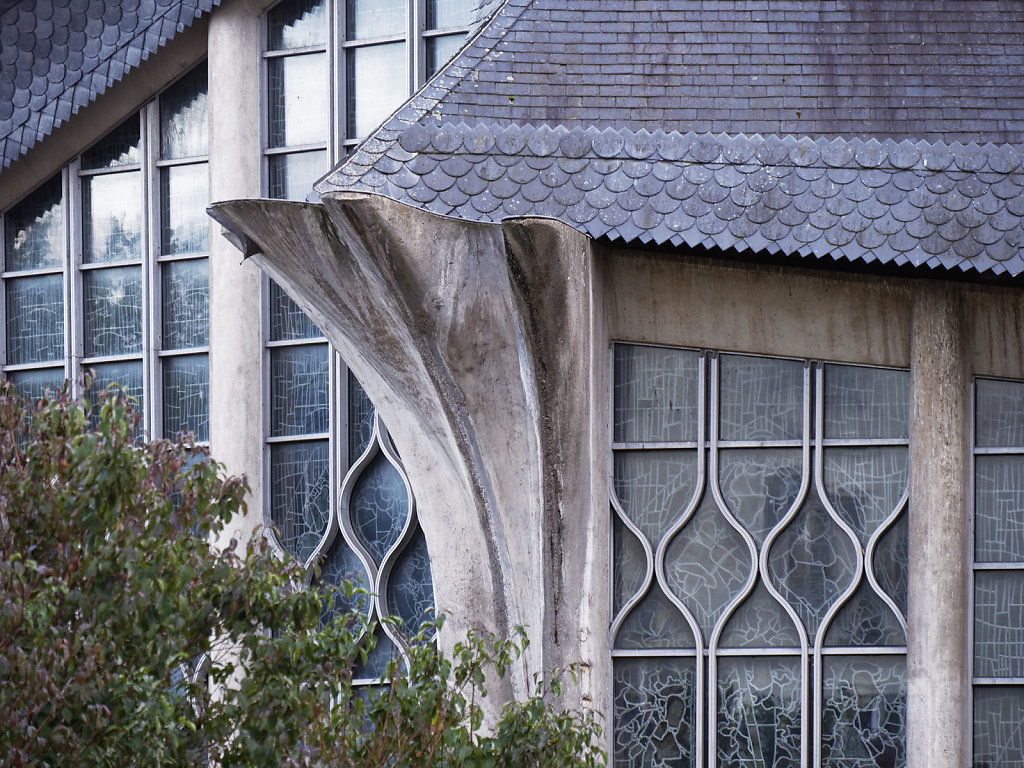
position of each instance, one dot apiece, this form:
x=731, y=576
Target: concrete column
x=236, y=342
x=937, y=649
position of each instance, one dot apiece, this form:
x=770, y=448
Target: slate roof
x=58, y=55
x=857, y=131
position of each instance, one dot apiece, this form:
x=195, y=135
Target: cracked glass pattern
x=865, y=485
x=297, y=24
x=33, y=385
x=655, y=394
x=342, y=564
x=184, y=195
x=707, y=564
x=811, y=563
x=999, y=624
x=299, y=398
x=999, y=509
x=759, y=712
x=377, y=18
x=34, y=230
x=866, y=403
x=760, y=398
x=113, y=311
x=185, y=314
x=760, y=485
x=112, y=217
x=35, y=319
x=410, y=588
x=119, y=148
x=654, y=719
x=760, y=622
x=183, y=117
x=360, y=419
x=377, y=84
x=629, y=564
x=999, y=727
x=864, y=712
x=300, y=495
x=654, y=622
x=291, y=176
x=379, y=507
x=654, y=488
x=999, y=415
x=126, y=375
x=298, y=100
x=287, y=321
x=186, y=396
x=891, y=562
x=865, y=621
x=442, y=14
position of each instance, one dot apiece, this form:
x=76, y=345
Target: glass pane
x=112, y=217
x=300, y=495
x=865, y=485
x=127, y=375
x=33, y=385
x=760, y=485
x=299, y=99
x=297, y=24
x=378, y=81
x=377, y=658
x=375, y=18
x=184, y=195
x=292, y=176
x=761, y=398
x=113, y=311
x=865, y=712
x=760, y=622
x=891, y=563
x=654, y=488
x=119, y=148
x=999, y=410
x=411, y=586
x=441, y=49
x=629, y=564
x=656, y=394
x=654, y=719
x=442, y=14
x=35, y=319
x=862, y=403
x=998, y=735
x=299, y=402
x=654, y=622
x=341, y=564
x=707, y=564
x=187, y=396
x=999, y=509
x=379, y=507
x=865, y=620
x=287, y=321
x=759, y=712
x=186, y=303
x=34, y=230
x=360, y=419
x=999, y=624
x=183, y=117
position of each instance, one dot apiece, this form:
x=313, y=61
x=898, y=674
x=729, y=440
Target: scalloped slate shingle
x=667, y=123
x=58, y=55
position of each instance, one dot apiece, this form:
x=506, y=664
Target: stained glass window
x=750, y=600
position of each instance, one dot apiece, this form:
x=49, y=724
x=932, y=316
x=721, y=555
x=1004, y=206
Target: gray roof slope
x=58, y=55
x=600, y=114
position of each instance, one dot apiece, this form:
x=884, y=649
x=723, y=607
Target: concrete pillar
x=938, y=721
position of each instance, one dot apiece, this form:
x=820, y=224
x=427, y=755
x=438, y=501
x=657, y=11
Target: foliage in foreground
x=128, y=638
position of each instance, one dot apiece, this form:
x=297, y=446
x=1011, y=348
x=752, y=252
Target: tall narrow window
x=998, y=627
x=759, y=561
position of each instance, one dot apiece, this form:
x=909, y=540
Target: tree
x=127, y=637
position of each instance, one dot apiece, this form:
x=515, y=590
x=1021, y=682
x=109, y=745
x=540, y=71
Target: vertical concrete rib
x=939, y=532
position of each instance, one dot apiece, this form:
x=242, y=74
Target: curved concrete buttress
x=474, y=341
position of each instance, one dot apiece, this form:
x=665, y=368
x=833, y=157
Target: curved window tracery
x=759, y=561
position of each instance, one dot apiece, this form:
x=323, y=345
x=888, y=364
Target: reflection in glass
x=999, y=413
x=299, y=402
x=377, y=84
x=183, y=117
x=112, y=217
x=629, y=565
x=655, y=394
x=760, y=622
x=379, y=507
x=654, y=719
x=126, y=376
x=184, y=195
x=292, y=176
x=999, y=726
x=287, y=321
x=298, y=99
x=760, y=485
x=999, y=509
x=865, y=485
x=865, y=620
x=186, y=396
x=35, y=384
x=300, y=495
x=34, y=230
x=113, y=311
x=441, y=49
x=759, y=712
x=375, y=18
x=864, y=722
x=297, y=24
x=999, y=624
x=654, y=622
x=654, y=488
x=118, y=148
x=442, y=14
x=35, y=319
x=411, y=586
x=186, y=303
x=761, y=398
x=866, y=403
x=360, y=419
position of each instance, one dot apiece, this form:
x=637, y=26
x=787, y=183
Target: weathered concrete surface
x=474, y=344
x=937, y=685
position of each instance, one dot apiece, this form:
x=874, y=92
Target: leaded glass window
x=759, y=561
x=998, y=595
